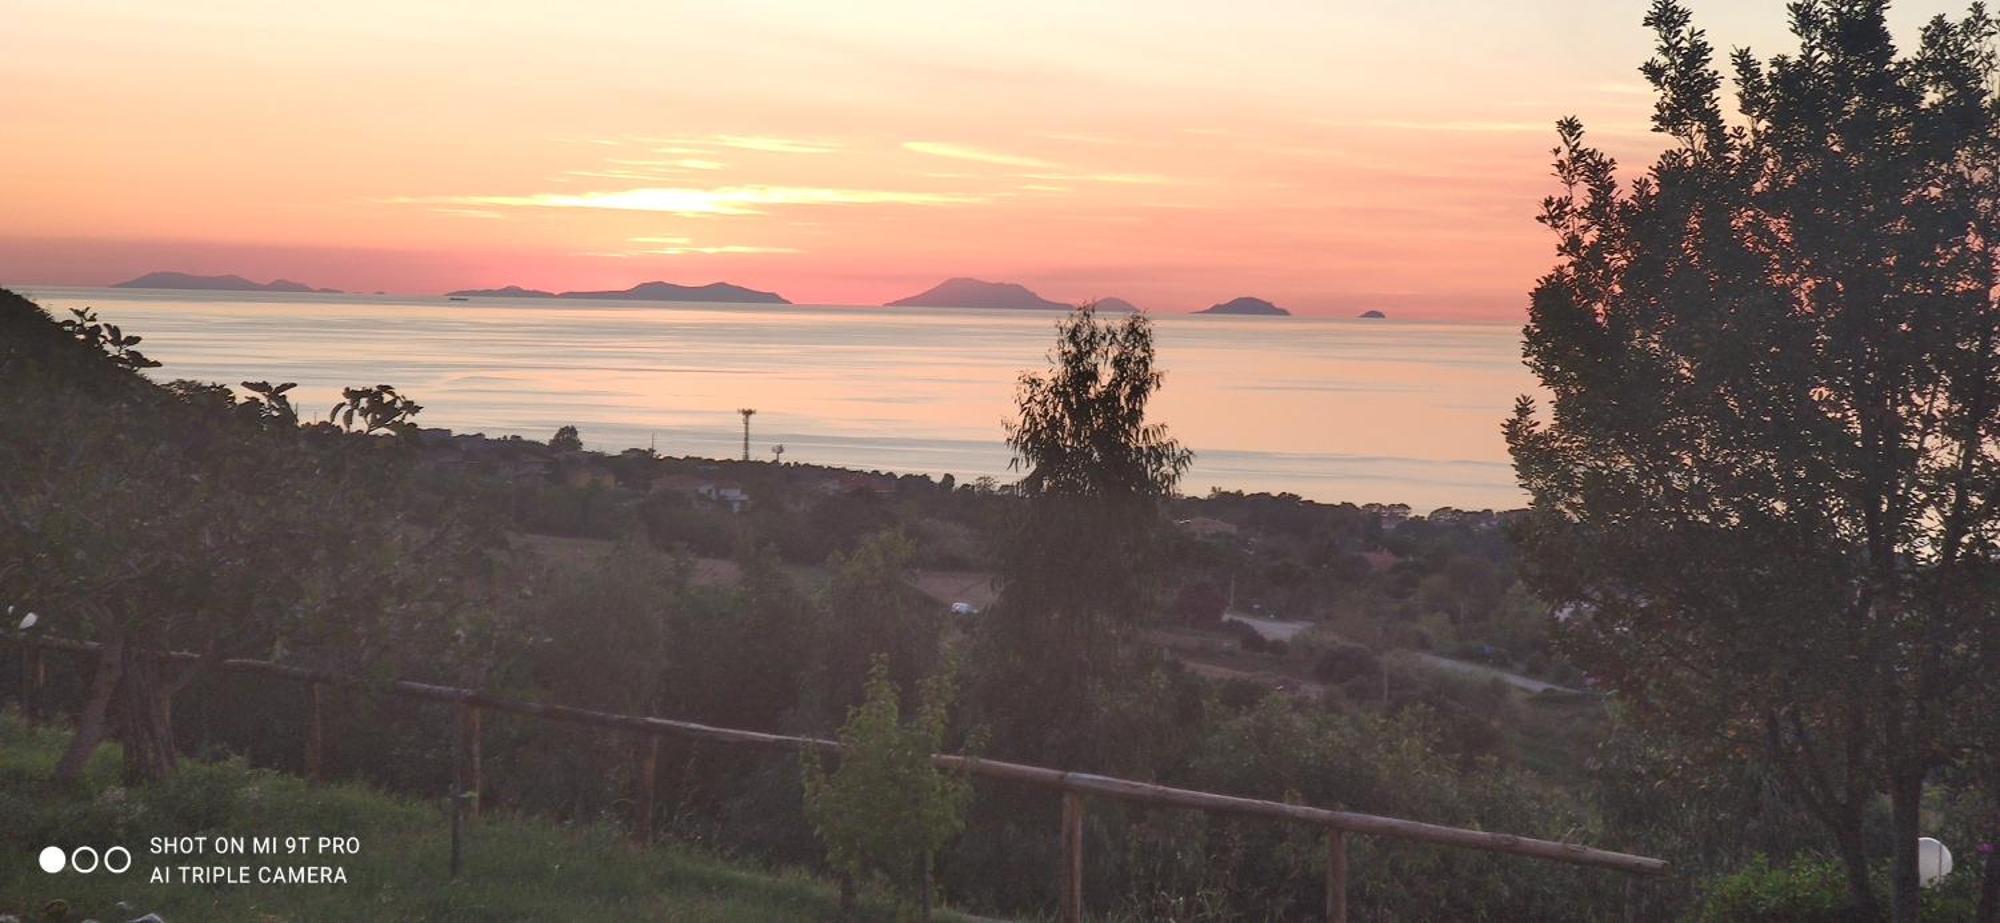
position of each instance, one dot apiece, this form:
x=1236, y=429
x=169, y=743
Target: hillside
x=515, y=868
x=226, y=283
x=976, y=293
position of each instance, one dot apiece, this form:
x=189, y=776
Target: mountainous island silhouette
x=1246, y=305
x=228, y=283
x=644, y=291
x=963, y=292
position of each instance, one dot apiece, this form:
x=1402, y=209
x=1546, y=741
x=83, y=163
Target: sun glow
x=1330, y=157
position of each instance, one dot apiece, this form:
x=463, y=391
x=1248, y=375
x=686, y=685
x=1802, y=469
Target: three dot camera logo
x=85, y=860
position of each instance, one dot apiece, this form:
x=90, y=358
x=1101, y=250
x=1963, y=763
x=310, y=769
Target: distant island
x=230, y=283
x=1246, y=305
x=974, y=293
x=511, y=291
x=1372, y=315
x=1116, y=306
x=668, y=291
x=644, y=291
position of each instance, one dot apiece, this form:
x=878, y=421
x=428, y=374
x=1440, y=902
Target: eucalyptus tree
x=1075, y=574
x=1767, y=482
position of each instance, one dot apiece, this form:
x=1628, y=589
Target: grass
x=515, y=868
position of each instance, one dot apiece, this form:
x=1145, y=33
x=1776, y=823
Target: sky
x=1329, y=156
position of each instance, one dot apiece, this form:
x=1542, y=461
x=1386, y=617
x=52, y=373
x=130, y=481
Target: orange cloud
x=693, y=202
x=963, y=152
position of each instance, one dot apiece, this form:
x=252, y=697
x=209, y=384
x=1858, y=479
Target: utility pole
x=747, y=414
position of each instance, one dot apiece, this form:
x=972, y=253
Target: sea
x=1331, y=409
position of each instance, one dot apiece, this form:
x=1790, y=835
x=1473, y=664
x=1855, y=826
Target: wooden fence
x=467, y=778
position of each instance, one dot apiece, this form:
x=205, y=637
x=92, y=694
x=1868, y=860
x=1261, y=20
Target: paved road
x=1271, y=629
x=1482, y=671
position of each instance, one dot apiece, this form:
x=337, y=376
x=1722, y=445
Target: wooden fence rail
x=1074, y=786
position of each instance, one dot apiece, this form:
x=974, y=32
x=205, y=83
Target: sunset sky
x=1328, y=156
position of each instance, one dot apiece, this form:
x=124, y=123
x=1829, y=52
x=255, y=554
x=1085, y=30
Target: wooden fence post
x=315, y=735
x=456, y=806
x=924, y=897
x=1336, y=876
x=649, y=774
x=467, y=763
x=1072, y=858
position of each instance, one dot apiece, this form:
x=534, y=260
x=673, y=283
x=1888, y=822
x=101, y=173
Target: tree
x=148, y=517
x=271, y=402
x=99, y=337
x=1074, y=575
x=566, y=439
x=1766, y=483
x=887, y=810
x=742, y=662
x=374, y=410
x=1200, y=605
x=872, y=616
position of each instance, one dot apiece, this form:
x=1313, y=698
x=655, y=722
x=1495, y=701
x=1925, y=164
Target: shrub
x=1246, y=637
x=1344, y=661
x=1200, y=605
x=1814, y=890
x=886, y=811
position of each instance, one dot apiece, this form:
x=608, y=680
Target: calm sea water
x=1385, y=411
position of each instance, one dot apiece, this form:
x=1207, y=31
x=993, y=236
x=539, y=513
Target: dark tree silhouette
x=374, y=410
x=149, y=517
x=1095, y=476
x=117, y=348
x=566, y=439
x=1768, y=483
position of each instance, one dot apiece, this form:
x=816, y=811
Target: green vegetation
x=1748, y=616
x=515, y=869
x=1814, y=890
x=1764, y=487
x=144, y=516
x=769, y=637
x=1075, y=566
x=885, y=811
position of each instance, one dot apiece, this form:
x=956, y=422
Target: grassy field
x=515, y=869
